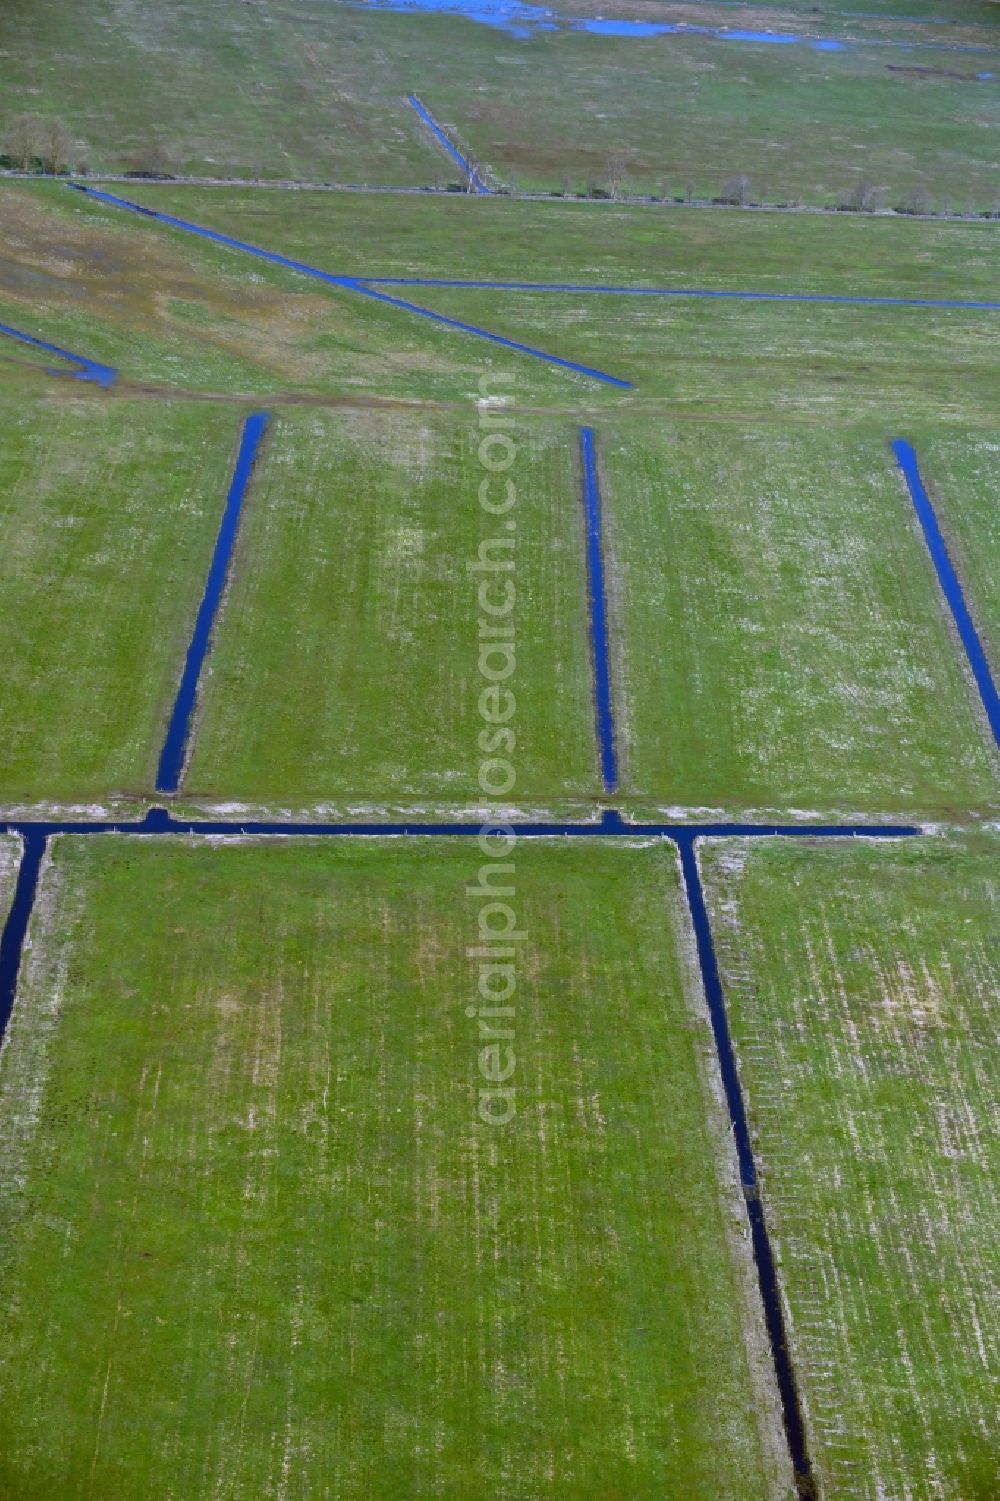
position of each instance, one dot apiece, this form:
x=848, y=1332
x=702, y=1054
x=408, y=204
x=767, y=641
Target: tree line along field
x=254, y=1242
x=861, y=982
x=636, y=245
x=318, y=92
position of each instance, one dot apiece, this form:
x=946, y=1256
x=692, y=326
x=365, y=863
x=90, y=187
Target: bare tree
x=917, y=201
x=473, y=176
x=737, y=190
x=615, y=174
x=151, y=160
x=21, y=141
x=863, y=198
x=55, y=144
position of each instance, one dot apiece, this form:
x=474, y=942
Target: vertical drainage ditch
x=16, y=927
x=179, y=729
x=598, y=608
x=767, y=1276
x=906, y=458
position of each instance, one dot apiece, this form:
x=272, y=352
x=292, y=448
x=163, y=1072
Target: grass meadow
x=170, y=309
x=861, y=983
x=256, y=1242
x=318, y=92
x=346, y=668
x=781, y=642
x=110, y=512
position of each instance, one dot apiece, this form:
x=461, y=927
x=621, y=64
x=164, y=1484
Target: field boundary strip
x=598, y=611
x=179, y=728
x=724, y=294
x=951, y=587
x=89, y=370
x=34, y=844
x=349, y=284
x=476, y=182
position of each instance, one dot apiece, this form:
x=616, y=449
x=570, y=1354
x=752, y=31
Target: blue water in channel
x=89, y=370
x=523, y=21
x=763, y=1254
x=179, y=729
x=478, y=186
x=846, y=299
x=947, y=577
x=350, y=284
x=597, y=604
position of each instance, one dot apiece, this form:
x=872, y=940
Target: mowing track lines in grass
x=951, y=587
x=89, y=370
x=598, y=611
x=723, y=294
x=178, y=730
x=476, y=182
x=159, y=822
x=351, y=284
x=16, y=927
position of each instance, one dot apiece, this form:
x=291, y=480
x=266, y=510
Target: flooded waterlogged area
x=520, y=20
x=525, y=21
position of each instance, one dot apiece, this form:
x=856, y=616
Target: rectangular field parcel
x=781, y=640
x=861, y=981
x=109, y=515
x=255, y=1242
x=496, y=238
x=347, y=659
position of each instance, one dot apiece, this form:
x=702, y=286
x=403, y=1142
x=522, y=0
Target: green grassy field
x=110, y=512
x=640, y=246
x=346, y=666
x=861, y=983
x=318, y=91
x=685, y=114
x=962, y=475
x=780, y=640
x=256, y=1242
x=168, y=308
